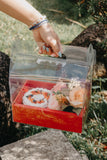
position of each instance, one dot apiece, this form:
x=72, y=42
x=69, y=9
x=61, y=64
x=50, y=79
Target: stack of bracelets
x=39, y=22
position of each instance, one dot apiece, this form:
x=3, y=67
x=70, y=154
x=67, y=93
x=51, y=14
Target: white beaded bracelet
x=38, y=23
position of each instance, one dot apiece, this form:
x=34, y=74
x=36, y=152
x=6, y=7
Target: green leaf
x=95, y=87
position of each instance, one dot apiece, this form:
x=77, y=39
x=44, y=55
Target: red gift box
x=44, y=116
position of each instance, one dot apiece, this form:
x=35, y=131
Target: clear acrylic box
x=51, y=92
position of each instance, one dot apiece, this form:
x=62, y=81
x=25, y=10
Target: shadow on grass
x=98, y=111
x=68, y=8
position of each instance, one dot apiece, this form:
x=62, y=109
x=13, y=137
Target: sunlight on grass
x=11, y=28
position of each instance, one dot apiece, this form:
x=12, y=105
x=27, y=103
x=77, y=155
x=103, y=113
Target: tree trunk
x=7, y=127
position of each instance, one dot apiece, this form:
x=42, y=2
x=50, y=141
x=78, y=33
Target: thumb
x=54, y=45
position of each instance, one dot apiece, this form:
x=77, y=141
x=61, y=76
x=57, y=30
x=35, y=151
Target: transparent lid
x=26, y=63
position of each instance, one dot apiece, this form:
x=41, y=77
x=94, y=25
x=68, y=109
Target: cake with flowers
x=37, y=97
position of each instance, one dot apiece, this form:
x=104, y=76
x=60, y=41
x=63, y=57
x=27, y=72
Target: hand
x=45, y=35
x=26, y=13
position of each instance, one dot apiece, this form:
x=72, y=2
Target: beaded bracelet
x=38, y=23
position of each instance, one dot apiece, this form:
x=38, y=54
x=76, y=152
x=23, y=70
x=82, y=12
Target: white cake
x=37, y=97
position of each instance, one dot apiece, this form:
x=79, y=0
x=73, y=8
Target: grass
x=93, y=140
x=11, y=29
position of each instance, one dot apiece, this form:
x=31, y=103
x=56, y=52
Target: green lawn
x=94, y=137
x=10, y=28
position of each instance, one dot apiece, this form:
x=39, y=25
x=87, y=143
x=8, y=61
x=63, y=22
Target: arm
x=20, y=10
x=26, y=13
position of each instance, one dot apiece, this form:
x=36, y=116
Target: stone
x=47, y=145
x=96, y=34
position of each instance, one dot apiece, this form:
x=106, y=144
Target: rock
x=96, y=34
x=48, y=145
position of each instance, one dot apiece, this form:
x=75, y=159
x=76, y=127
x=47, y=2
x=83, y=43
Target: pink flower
x=59, y=86
x=53, y=103
x=76, y=97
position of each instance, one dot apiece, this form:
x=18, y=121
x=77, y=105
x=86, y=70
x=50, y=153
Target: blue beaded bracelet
x=38, y=24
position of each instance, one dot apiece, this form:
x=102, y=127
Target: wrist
x=33, y=17
x=38, y=22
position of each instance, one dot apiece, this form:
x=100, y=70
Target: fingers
x=55, y=45
x=53, y=40
x=52, y=43
x=50, y=37
x=45, y=49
